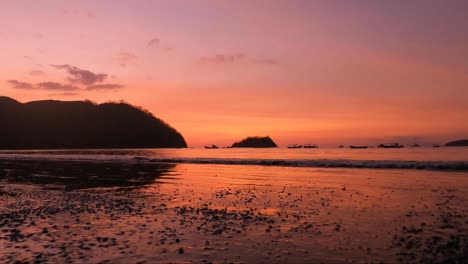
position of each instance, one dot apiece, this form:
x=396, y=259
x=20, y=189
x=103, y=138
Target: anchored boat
x=294, y=146
x=394, y=145
x=358, y=147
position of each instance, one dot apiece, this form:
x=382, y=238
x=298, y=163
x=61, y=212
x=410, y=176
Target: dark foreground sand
x=84, y=212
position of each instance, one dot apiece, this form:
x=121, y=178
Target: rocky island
x=255, y=142
x=458, y=143
x=51, y=124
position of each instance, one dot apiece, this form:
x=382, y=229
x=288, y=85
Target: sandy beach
x=108, y=212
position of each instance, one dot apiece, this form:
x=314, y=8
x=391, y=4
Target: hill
x=255, y=142
x=82, y=124
x=458, y=143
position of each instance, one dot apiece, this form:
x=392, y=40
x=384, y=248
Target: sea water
x=451, y=159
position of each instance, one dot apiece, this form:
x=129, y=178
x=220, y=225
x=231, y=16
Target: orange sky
x=325, y=72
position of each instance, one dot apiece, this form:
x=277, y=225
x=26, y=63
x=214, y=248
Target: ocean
x=445, y=158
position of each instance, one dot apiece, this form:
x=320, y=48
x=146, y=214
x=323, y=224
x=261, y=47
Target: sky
x=320, y=72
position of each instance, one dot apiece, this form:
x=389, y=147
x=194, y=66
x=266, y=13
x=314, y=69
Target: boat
x=294, y=146
x=310, y=146
x=358, y=147
x=340, y=146
x=436, y=146
x=393, y=145
x=415, y=146
x=212, y=147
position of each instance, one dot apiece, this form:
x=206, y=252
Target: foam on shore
x=312, y=163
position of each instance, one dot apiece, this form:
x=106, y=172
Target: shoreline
x=450, y=166
x=220, y=213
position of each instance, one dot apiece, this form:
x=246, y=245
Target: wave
x=312, y=163
x=325, y=163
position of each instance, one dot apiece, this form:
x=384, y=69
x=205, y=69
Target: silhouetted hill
x=7, y=101
x=255, y=142
x=82, y=124
x=458, y=143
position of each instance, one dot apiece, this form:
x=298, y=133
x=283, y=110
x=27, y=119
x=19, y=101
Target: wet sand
x=85, y=212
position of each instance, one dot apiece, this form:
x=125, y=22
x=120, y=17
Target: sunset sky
x=325, y=72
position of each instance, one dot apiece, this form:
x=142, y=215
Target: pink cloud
x=126, y=58
x=20, y=85
x=154, y=42
x=36, y=73
x=236, y=58
x=78, y=75
x=42, y=86
x=56, y=86
x=223, y=58
x=104, y=87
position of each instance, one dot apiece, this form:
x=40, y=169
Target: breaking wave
x=312, y=163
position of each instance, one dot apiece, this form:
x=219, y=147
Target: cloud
x=56, y=86
x=65, y=94
x=36, y=73
x=79, y=80
x=125, y=58
x=15, y=84
x=104, y=87
x=42, y=86
x=154, y=42
x=222, y=59
x=236, y=58
x=69, y=89
x=81, y=76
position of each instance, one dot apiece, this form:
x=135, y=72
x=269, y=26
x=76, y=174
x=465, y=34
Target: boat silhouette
x=212, y=147
x=358, y=147
x=294, y=146
x=393, y=145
